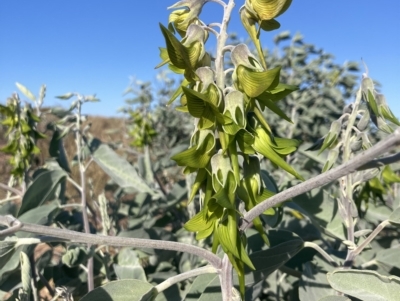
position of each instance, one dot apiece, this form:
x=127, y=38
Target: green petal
x=198, y=156
x=254, y=83
x=262, y=145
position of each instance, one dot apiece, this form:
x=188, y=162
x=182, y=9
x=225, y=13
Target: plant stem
x=322, y=252
x=370, y=237
x=225, y=278
x=76, y=185
x=181, y=277
x=78, y=141
x=350, y=166
x=16, y=197
x=221, y=41
x=94, y=239
x=11, y=189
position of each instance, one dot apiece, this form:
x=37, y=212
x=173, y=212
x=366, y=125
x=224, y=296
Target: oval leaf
x=26, y=91
x=365, y=285
x=122, y=173
x=41, y=189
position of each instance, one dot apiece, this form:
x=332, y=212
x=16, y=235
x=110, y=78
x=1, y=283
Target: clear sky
x=90, y=46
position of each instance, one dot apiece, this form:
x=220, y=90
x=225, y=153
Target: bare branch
x=12, y=223
x=181, y=277
x=325, y=178
x=93, y=239
x=11, y=189
x=321, y=251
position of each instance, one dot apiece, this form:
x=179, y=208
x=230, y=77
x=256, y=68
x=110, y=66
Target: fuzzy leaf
x=26, y=91
x=365, y=285
x=65, y=96
x=40, y=190
x=122, y=173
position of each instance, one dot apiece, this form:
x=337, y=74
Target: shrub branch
x=350, y=166
x=93, y=239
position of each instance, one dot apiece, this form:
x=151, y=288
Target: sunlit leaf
x=26, y=91
x=123, y=173
x=365, y=285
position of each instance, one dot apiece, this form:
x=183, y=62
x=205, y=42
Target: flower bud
x=364, y=121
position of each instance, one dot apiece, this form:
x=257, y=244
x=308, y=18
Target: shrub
x=261, y=230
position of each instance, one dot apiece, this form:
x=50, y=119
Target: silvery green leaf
x=66, y=96
x=123, y=173
x=41, y=190
x=365, y=285
x=26, y=91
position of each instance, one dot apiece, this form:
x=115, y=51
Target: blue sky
x=90, y=46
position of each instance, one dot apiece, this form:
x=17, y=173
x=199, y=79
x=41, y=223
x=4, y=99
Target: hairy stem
x=322, y=252
x=226, y=276
x=181, y=277
x=226, y=280
x=93, y=239
x=350, y=166
x=78, y=141
x=221, y=41
x=370, y=237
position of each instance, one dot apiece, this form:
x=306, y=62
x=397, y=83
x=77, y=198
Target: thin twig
x=88, y=163
x=76, y=185
x=181, y=277
x=45, y=282
x=12, y=223
x=352, y=165
x=214, y=25
x=322, y=252
x=16, y=197
x=11, y=189
x=160, y=184
x=370, y=237
x=212, y=30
